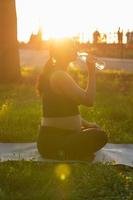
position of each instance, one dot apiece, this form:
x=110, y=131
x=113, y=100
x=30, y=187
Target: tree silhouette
x=9, y=55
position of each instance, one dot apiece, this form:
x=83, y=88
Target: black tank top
x=56, y=105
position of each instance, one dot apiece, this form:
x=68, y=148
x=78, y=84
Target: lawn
x=20, y=113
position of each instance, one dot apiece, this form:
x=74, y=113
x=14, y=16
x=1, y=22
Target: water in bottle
x=100, y=65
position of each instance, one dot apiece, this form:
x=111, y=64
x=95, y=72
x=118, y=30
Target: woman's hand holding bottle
x=89, y=59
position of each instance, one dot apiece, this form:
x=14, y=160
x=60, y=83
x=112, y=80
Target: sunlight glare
x=62, y=171
x=71, y=17
x=5, y=108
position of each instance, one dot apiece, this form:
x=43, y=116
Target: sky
x=58, y=18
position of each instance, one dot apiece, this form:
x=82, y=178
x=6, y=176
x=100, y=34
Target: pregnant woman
x=63, y=133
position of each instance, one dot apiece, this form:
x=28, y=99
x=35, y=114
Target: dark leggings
x=55, y=143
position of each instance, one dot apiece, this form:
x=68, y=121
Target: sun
x=57, y=19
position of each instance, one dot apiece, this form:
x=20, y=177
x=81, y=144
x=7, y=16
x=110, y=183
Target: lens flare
x=63, y=177
x=4, y=109
x=62, y=171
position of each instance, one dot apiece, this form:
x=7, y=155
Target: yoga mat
x=111, y=153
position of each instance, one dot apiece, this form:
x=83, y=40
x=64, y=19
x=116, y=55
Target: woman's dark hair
x=45, y=73
x=61, y=49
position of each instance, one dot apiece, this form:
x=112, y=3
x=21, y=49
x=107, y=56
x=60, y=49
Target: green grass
x=20, y=112
x=113, y=108
x=20, y=109
x=30, y=181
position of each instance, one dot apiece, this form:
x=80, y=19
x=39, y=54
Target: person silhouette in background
x=120, y=36
x=63, y=133
x=128, y=36
x=96, y=37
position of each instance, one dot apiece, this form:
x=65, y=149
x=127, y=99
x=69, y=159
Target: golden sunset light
x=66, y=99
x=67, y=18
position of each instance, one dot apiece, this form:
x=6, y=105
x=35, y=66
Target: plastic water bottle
x=83, y=57
x=100, y=65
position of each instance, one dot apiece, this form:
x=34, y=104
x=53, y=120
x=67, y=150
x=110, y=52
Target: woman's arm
x=63, y=83
x=91, y=85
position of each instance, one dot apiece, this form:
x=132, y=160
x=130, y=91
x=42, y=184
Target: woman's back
x=59, y=110
x=56, y=104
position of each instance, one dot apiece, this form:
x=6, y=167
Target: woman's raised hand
x=90, y=59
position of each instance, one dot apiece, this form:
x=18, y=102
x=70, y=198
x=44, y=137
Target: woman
x=63, y=133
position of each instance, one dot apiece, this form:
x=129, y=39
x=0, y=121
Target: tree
x=9, y=53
